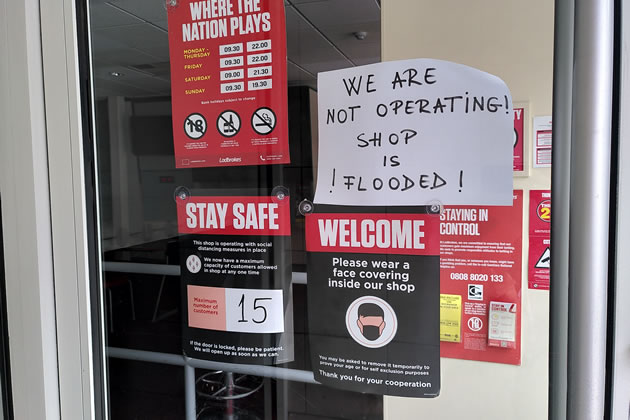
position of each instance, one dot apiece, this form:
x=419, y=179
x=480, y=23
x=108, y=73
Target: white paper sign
x=414, y=132
x=254, y=310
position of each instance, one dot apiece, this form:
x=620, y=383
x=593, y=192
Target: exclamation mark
x=507, y=104
x=333, y=179
x=461, y=180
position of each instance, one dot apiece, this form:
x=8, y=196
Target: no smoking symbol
x=263, y=121
x=195, y=126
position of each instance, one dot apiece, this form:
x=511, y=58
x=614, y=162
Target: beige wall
x=513, y=40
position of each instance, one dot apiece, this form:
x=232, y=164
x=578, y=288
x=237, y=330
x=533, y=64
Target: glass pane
x=142, y=246
x=372, y=245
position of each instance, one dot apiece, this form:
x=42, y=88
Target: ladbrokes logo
x=475, y=323
x=229, y=159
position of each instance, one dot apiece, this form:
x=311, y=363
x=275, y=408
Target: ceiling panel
x=149, y=10
x=104, y=71
x=350, y=16
x=364, y=51
x=162, y=24
x=114, y=53
x=153, y=84
x=105, y=16
x=346, y=12
x=307, y=48
x=120, y=89
x=143, y=81
x=145, y=38
x=298, y=77
x=306, y=1
x=363, y=60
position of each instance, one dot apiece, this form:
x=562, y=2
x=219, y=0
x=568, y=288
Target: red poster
x=539, y=239
x=371, y=233
x=228, y=82
x=480, y=282
x=518, y=138
x=237, y=215
x=235, y=260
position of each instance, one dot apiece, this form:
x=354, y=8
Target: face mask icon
x=371, y=321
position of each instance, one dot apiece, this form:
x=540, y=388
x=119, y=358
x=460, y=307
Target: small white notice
x=502, y=325
x=542, y=141
x=414, y=132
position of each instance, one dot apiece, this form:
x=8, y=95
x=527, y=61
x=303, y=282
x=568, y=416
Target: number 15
x=256, y=307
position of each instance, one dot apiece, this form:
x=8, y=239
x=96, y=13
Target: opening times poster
x=539, y=266
x=480, y=282
x=236, y=278
x=373, y=301
x=228, y=82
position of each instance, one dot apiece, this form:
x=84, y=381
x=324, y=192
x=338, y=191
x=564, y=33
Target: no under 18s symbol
x=195, y=126
x=475, y=323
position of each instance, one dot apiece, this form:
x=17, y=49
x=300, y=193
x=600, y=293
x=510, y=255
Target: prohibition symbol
x=263, y=121
x=195, y=126
x=545, y=259
x=228, y=123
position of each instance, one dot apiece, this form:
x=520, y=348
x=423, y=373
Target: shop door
x=197, y=319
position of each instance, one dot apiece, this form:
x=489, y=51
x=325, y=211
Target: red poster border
x=539, y=239
x=504, y=225
x=201, y=101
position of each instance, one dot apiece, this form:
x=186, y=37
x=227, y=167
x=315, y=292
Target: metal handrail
x=168, y=270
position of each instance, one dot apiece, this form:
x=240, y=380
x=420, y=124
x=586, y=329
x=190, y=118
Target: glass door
x=262, y=253
x=157, y=364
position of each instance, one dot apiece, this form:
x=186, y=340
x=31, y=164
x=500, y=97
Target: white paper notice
x=542, y=142
x=414, y=132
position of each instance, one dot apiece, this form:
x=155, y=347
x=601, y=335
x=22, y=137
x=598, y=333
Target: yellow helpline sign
x=451, y=318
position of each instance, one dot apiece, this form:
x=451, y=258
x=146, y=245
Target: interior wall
x=513, y=40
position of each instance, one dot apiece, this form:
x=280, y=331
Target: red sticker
x=234, y=216
x=539, y=265
x=228, y=82
x=373, y=233
x=480, y=260
x=544, y=211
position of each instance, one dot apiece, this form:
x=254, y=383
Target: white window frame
x=42, y=186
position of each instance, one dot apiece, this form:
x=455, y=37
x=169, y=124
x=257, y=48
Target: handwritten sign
x=414, y=132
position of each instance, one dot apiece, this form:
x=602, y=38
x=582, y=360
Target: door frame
x=57, y=357
x=43, y=187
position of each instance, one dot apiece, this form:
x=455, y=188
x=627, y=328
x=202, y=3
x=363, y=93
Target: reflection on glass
x=138, y=212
